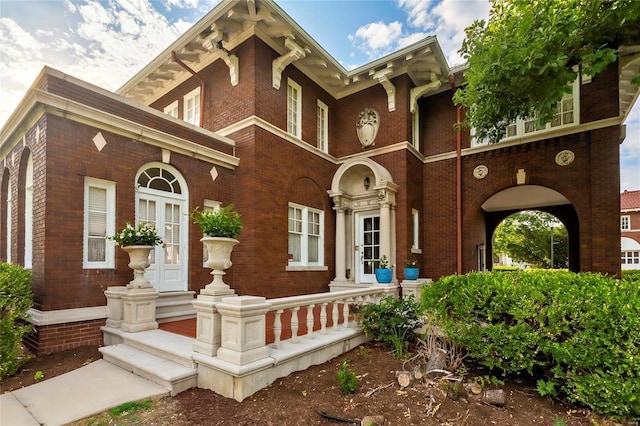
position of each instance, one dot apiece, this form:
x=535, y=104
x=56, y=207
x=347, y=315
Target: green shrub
x=15, y=301
x=347, y=379
x=631, y=275
x=392, y=321
x=578, y=333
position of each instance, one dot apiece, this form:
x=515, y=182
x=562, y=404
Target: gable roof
x=232, y=22
x=630, y=200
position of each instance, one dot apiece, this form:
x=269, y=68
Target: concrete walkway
x=84, y=392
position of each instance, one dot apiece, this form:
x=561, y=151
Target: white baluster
x=323, y=318
x=345, y=312
x=277, y=329
x=294, y=324
x=310, y=321
x=334, y=314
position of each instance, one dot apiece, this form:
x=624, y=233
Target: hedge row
x=15, y=301
x=579, y=334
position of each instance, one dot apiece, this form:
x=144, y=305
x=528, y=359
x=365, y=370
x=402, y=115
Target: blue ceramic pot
x=411, y=274
x=383, y=276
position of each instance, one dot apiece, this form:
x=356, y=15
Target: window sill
x=306, y=268
x=416, y=250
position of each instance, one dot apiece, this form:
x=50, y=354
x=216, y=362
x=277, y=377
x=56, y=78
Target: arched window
x=160, y=179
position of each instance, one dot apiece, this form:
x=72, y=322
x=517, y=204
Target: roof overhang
x=233, y=21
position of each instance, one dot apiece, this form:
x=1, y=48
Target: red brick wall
x=56, y=338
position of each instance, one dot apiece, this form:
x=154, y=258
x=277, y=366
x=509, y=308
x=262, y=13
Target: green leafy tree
x=526, y=237
x=523, y=60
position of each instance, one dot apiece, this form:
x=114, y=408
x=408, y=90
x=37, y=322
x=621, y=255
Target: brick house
x=630, y=229
x=329, y=169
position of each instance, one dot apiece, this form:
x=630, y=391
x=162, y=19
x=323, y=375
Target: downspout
x=203, y=87
x=458, y=183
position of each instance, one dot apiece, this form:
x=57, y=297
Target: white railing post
x=414, y=287
x=323, y=318
x=334, y=315
x=243, y=338
x=345, y=312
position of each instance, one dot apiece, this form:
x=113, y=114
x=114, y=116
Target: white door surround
x=361, y=188
x=162, y=199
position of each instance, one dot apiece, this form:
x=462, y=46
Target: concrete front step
x=169, y=374
x=173, y=347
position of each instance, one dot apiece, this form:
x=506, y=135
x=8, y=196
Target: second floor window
x=625, y=223
x=172, y=109
x=323, y=126
x=294, y=108
x=191, y=110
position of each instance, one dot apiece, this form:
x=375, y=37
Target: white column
x=340, y=245
x=385, y=229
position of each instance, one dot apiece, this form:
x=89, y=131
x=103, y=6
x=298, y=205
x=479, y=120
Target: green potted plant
x=411, y=270
x=220, y=228
x=383, y=272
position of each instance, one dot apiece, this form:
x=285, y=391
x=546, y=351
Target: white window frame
x=323, y=126
x=110, y=187
x=304, y=233
x=192, y=115
x=517, y=128
x=172, y=109
x=625, y=223
x=415, y=231
x=208, y=205
x=294, y=108
x=28, y=214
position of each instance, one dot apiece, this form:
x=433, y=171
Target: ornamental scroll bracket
x=279, y=64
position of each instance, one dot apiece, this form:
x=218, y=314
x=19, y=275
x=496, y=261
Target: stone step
x=173, y=347
x=169, y=374
x=175, y=306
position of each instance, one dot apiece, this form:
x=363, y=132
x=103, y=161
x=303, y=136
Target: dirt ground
x=300, y=398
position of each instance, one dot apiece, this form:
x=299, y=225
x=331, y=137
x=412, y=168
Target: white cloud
x=630, y=152
x=377, y=38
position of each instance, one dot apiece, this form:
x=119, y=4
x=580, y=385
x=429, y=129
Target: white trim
x=304, y=237
x=628, y=222
x=109, y=256
x=66, y=316
x=28, y=214
x=90, y=116
x=415, y=217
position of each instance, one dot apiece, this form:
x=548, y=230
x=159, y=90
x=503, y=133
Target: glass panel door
x=368, y=246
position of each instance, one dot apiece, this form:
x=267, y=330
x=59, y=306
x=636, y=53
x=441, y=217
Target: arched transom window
x=159, y=179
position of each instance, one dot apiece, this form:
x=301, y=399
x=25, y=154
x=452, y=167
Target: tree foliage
x=524, y=59
x=526, y=237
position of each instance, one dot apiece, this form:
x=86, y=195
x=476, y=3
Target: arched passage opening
x=533, y=197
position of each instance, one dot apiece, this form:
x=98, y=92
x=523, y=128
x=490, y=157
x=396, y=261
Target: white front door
x=368, y=235
x=168, y=265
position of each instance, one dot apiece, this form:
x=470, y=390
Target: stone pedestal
x=243, y=337
x=208, y=322
x=139, y=309
x=115, y=306
x=414, y=286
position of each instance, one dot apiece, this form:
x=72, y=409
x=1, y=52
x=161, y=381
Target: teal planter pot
x=383, y=276
x=411, y=274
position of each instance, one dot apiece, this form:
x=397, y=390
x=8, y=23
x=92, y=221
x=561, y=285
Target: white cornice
x=81, y=113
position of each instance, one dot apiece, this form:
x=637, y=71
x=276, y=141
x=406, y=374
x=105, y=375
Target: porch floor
x=187, y=327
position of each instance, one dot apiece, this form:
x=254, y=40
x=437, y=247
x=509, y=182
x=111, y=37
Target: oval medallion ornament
x=564, y=158
x=367, y=126
x=480, y=171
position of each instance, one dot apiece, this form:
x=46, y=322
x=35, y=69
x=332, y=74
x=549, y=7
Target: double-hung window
x=172, y=109
x=625, y=223
x=99, y=222
x=306, y=241
x=191, y=107
x=323, y=126
x=294, y=108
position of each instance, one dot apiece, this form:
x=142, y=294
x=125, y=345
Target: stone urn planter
x=138, y=261
x=218, y=259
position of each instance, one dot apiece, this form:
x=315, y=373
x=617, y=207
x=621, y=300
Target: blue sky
x=107, y=42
